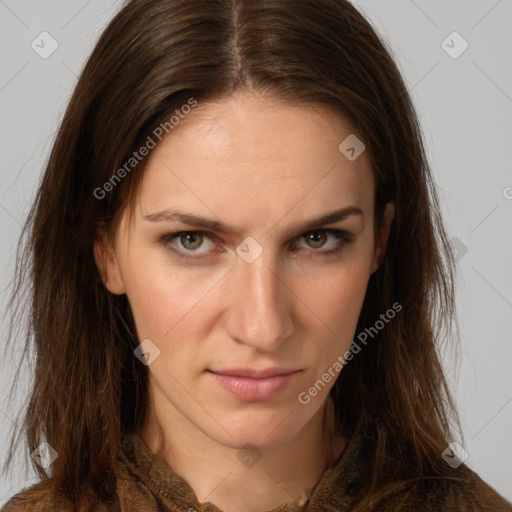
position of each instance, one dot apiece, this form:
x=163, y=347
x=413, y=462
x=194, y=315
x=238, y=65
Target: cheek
x=337, y=294
x=165, y=297
x=153, y=307
x=154, y=292
x=339, y=300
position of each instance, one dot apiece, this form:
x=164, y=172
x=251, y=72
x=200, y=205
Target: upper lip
x=256, y=374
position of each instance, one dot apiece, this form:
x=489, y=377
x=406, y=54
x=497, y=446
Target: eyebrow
x=214, y=225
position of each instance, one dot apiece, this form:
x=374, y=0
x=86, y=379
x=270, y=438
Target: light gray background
x=465, y=106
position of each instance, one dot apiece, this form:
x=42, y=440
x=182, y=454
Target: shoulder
x=36, y=498
x=42, y=497
x=464, y=491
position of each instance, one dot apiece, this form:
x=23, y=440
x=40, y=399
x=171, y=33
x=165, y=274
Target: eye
x=187, y=242
x=317, y=239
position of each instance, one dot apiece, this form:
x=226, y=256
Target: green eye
x=317, y=239
x=194, y=239
x=191, y=241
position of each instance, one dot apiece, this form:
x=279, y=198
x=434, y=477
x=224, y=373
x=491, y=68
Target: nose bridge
x=260, y=310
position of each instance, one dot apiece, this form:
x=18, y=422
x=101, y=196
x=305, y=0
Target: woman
x=240, y=274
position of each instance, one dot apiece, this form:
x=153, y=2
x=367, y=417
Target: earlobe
x=382, y=238
x=106, y=261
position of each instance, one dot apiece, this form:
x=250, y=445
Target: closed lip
x=256, y=374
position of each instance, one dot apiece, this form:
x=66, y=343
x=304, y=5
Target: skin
x=260, y=166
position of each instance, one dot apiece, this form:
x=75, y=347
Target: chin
x=262, y=429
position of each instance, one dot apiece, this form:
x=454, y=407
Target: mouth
x=256, y=374
x=252, y=385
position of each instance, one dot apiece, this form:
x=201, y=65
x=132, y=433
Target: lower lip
x=254, y=390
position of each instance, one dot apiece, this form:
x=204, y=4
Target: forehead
x=247, y=157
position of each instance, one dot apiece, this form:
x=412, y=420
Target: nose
x=260, y=306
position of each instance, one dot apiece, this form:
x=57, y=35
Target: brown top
x=147, y=484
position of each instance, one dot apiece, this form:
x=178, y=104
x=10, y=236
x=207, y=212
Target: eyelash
x=344, y=236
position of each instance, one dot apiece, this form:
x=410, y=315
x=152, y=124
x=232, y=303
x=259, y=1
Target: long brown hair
x=154, y=56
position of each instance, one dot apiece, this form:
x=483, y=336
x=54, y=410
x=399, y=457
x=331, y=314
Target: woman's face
x=259, y=288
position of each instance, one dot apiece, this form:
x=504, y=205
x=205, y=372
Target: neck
x=215, y=473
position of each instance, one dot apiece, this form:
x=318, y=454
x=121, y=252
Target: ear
x=106, y=261
x=381, y=241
